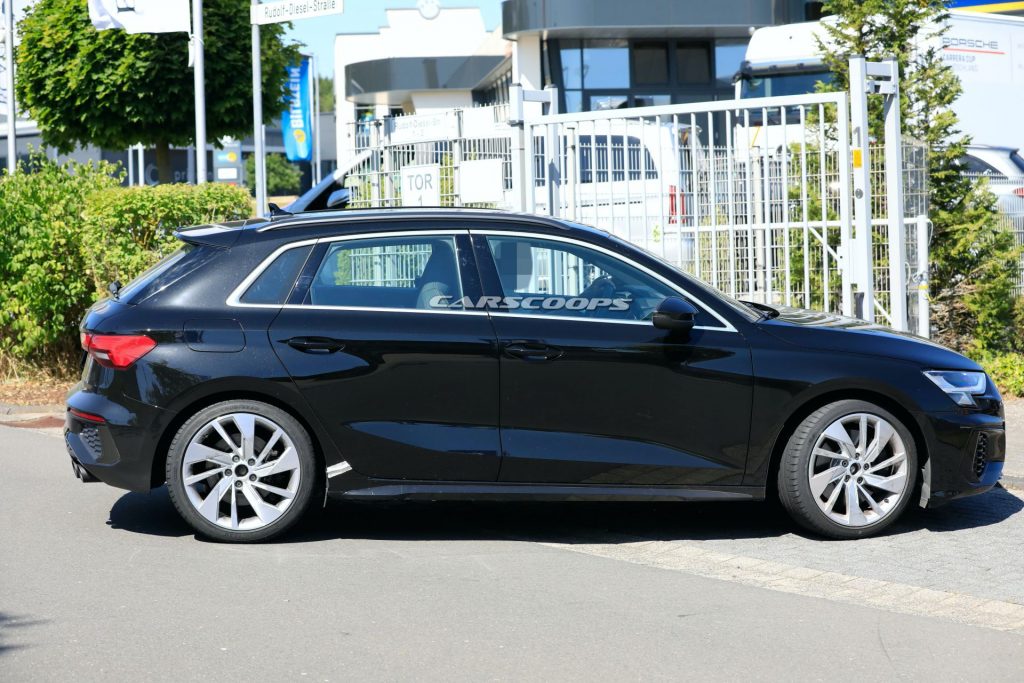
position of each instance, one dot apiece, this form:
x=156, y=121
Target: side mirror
x=675, y=315
x=339, y=198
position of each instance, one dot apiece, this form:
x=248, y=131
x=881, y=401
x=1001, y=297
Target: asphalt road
x=100, y=584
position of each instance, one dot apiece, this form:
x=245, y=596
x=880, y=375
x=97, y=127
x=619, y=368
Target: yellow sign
x=300, y=135
x=858, y=157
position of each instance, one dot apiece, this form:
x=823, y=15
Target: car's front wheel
x=241, y=471
x=848, y=470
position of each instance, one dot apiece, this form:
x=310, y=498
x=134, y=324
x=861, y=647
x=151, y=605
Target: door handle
x=533, y=351
x=315, y=344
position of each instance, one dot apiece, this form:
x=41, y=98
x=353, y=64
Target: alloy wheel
x=241, y=471
x=858, y=470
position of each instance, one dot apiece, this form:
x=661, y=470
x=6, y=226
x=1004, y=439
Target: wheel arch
x=196, y=403
x=815, y=402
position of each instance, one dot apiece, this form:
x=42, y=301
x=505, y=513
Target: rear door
x=404, y=379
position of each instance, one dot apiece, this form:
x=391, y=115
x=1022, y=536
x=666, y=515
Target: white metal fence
x=756, y=197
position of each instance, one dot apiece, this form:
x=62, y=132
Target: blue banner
x=297, y=119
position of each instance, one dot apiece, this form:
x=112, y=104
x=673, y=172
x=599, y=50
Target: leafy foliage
x=283, y=177
x=66, y=230
x=126, y=230
x=44, y=275
x=112, y=89
x=326, y=93
x=972, y=259
x=1006, y=370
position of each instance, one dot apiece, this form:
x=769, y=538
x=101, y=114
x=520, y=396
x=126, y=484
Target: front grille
x=981, y=454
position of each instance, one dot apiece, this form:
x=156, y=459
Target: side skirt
x=390, y=490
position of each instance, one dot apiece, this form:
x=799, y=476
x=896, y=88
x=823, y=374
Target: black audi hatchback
x=463, y=354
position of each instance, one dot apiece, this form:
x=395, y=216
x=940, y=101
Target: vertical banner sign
x=297, y=120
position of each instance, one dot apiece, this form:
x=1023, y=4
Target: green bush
x=67, y=230
x=126, y=231
x=1006, y=370
x=44, y=283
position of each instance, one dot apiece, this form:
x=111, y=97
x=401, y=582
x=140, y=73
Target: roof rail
x=306, y=219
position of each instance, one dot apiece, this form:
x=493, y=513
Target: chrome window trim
x=234, y=299
x=728, y=327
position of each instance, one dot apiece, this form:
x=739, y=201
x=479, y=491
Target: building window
x=572, y=64
x=605, y=64
x=693, y=63
x=650, y=63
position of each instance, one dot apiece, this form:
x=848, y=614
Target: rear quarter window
x=273, y=285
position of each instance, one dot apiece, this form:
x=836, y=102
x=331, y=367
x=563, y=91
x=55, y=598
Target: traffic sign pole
x=199, y=68
x=257, y=121
x=12, y=128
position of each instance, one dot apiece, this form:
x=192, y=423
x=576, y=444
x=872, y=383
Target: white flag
x=141, y=16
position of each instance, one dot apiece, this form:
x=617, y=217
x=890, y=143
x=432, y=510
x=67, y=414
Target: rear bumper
x=120, y=450
x=965, y=456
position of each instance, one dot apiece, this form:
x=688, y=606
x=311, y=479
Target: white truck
x=985, y=50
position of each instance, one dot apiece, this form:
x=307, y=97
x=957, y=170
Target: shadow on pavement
x=584, y=522
x=10, y=621
x=150, y=513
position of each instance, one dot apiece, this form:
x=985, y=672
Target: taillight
x=1019, y=191
x=117, y=351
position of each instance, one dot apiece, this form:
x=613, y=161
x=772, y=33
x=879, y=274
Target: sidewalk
x=52, y=416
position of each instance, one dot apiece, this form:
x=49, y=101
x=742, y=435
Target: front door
x=407, y=386
x=591, y=391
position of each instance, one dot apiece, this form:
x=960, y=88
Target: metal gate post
x=861, y=261
x=924, y=327
x=553, y=153
x=845, y=209
x=889, y=69
x=522, y=177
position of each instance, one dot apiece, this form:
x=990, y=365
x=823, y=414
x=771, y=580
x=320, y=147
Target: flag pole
x=199, y=68
x=12, y=128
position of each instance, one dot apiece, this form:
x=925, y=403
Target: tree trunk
x=163, y=162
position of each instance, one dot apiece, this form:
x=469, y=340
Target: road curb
x=12, y=409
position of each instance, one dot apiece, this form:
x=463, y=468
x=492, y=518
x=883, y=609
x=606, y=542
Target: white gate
x=777, y=200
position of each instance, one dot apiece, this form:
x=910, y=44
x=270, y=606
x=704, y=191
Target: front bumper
x=966, y=451
x=120, y=450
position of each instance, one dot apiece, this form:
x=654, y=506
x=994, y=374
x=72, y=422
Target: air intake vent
x=981, y=454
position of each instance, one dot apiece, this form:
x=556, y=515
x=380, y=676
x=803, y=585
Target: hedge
x=67, y=230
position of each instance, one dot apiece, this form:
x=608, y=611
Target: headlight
x=960, y=385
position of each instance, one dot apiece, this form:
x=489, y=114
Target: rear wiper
x=767, y=312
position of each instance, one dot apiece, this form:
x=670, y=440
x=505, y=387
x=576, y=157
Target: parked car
x=468, y=354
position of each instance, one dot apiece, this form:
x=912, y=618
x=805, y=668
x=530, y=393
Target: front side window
x=548, y=277
x=416, y=272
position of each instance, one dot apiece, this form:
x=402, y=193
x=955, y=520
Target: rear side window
x=393, y=272
x=275, y=282
x=173, y=267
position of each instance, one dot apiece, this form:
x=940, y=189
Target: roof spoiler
x=219, y=235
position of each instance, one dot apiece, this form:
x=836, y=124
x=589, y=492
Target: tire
x=862, y=489
x=261, y=491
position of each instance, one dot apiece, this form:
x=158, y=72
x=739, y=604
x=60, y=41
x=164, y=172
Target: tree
x=972, y=258
x=283, y=177
x=326, y=93
x=113, y=90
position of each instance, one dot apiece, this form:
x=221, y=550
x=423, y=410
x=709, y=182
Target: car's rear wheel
x=241, y=471
x=848, y=470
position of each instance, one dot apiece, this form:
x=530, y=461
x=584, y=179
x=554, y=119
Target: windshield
x=1018, y=161
x=701, y=286
x=783, y=84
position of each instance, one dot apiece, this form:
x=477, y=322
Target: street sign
x=408, y=129
x=227, y=162
x=292, y=10
x=421, y=185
